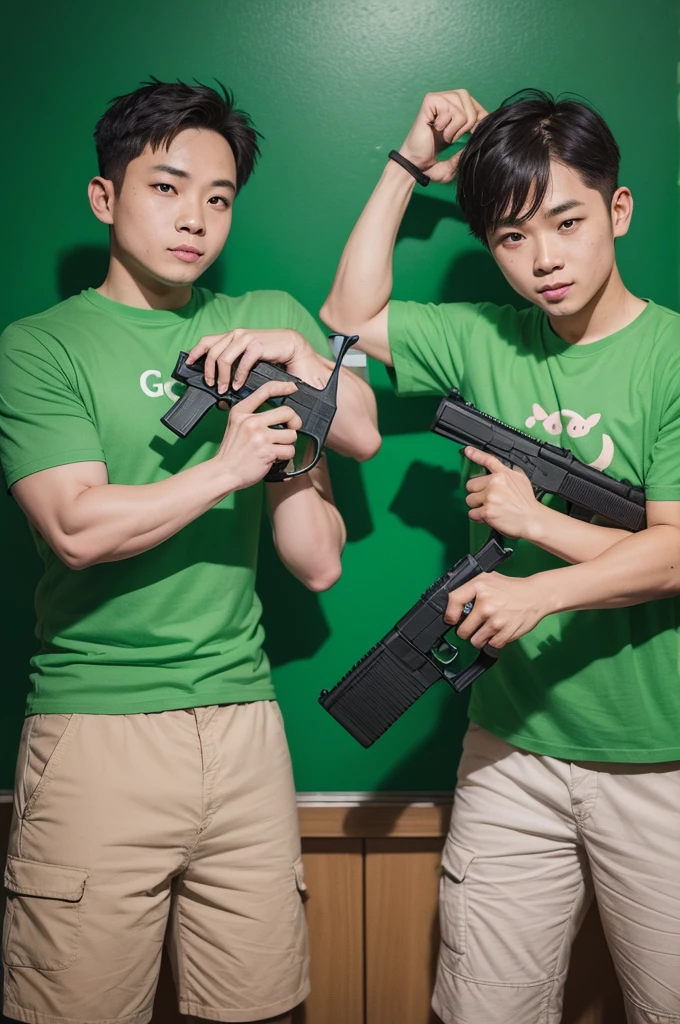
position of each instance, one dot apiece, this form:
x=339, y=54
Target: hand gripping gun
x=315, y=406
x=411, y=657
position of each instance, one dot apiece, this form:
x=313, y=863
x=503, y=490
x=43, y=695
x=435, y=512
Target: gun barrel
x=549, y=468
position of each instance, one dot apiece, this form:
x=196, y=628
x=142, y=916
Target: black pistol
x=550, y=469
x=411, y=657
x=315, y=406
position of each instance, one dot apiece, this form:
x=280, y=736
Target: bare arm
x=357, y=302
x=308, y=530
x=642, y=567
x=87, y=520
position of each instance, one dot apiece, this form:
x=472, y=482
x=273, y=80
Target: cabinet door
x=402, y=934
x=335, y=910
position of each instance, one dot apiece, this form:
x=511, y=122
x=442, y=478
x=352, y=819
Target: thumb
x=444, y=171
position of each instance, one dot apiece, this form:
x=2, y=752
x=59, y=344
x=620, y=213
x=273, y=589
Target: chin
x=183, y=277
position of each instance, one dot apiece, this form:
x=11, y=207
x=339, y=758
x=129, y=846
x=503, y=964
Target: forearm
x=643, y=567
x=109, y=522
x=309, y=533
x=363, y=281
x=354, y=430
x=571, y=539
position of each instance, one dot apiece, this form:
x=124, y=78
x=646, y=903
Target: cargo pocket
x=300, y=885
x=456, y=861
x=43, y=915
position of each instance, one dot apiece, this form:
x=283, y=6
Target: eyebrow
x=219, y=183
x=562, y=208
x=570, y=204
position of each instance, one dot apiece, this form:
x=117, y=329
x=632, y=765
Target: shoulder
x=661, y=333
x=48, y=318
x=46, y=329
x=666, y=321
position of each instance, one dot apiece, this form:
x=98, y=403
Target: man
x=569, y=779
x=154, y=787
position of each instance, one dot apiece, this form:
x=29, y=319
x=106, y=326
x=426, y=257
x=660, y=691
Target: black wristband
x=419, y=175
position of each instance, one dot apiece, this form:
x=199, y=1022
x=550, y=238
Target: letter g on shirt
x=157, y=388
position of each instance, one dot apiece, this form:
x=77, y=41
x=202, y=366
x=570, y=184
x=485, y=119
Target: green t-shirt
x=589, y=685
x=179, y=625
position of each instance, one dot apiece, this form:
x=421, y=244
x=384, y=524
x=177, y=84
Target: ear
x=102, y=198
x=591, y=421
x=621, y=211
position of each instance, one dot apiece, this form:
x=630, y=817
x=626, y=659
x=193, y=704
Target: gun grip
x=485, y=660
x=188, y=410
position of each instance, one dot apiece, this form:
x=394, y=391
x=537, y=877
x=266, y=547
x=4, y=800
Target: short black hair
x=509, y=153
x=157, y=112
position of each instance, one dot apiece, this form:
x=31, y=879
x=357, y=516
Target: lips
x=186, y=253
x=554, y=292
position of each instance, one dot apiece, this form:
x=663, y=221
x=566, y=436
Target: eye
x=571, y=223
x=513, y=237
x=164, y=188
x=215, y=200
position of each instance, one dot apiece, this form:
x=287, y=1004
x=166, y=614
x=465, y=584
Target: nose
x=547, y=259
x=191, y=219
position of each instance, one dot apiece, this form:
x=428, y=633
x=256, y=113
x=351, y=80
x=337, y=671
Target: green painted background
x=333, y=85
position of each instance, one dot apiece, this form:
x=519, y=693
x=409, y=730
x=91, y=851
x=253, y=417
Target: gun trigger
x=445, y=652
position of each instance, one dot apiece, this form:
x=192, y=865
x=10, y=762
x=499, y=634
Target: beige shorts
x=532, y=839
x=132, y=830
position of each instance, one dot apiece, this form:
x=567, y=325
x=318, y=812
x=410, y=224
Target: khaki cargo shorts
x=533, y=840
x=134, y=830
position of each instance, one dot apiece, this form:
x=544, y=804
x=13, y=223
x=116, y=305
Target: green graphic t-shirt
x=179, y=625
x=589, y=685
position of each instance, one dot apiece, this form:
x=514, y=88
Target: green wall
x=333, y=85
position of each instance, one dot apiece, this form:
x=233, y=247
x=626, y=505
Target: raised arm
x=357, y=302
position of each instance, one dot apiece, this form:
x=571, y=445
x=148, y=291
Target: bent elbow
x=324, y=580
x=332, y=317
x=369, y=446
x=327, y=315
x=73, y=554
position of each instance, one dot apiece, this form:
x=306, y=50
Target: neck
x=132, y=286
x=611, y=309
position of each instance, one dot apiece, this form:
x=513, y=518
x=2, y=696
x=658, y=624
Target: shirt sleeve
x=43, y=420
x=662, y=480
x=429, y=344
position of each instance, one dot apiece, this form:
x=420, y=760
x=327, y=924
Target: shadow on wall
x=473, y=276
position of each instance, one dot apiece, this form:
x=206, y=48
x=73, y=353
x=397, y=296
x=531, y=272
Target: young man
x=154, y=788
x=570, y=778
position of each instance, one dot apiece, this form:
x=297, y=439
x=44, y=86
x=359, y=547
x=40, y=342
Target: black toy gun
x=550, y=469
x=414, y=655
x=315, y=406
